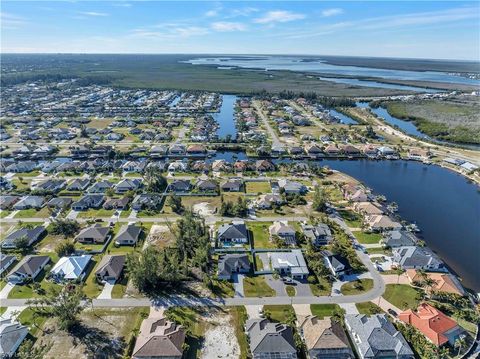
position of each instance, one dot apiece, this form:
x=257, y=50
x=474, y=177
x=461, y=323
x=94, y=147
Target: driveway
x=277, y=285
x=253, y=311
x=350, y=308
x=395, y=279
x=265, y=260
x=107, y=290
x=382, y=303
x=6, y=290
x=238, y=285
x=72, y=214
x=302, y=288
x=337, y=285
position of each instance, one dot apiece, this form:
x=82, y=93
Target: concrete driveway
x=238, y=285
x=107, y=290
x=72, y=214
x=6, y=290
x=302, y=288
x=277, y=285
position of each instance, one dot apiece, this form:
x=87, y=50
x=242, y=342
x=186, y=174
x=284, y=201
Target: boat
x=412, y=228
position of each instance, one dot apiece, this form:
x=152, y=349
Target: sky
x=420, y=29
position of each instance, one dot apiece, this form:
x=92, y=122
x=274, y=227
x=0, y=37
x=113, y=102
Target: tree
x=175, y=203
x=65, y=248
x=460, y=343
x=65, y=227
x=319, y=200
x=110, y=192
x=154, y=180
x=22, y=243
x=28, y=351
x=64, y=304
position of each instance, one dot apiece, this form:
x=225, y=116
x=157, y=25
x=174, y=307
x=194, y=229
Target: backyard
x=402, y=296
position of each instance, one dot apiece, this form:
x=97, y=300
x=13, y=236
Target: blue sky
x=421, y=29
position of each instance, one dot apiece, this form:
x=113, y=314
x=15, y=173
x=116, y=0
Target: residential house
x=31, y=234
x=350, y=150
x=337, y=264
x=399, y=238
x=233, y=233
x=375, y=337
x=59, y=203
x=332, y=150
x=284, y=231
x=70, y=268
x=313, y=149
x=100, y=187
x=418, y=154
x=7, y=202
x=12, y=335
x=232, y=185
x=196, y=149
x=220, y=166
x=5, y=262
x=29, y=202
x=88, y=201
x=180, y=186
x=443, y=282
x=292, y=187
x=28, y=268
x=438, y=328
x=381, y=222
x=159, y=338
x=354, y=193
x=93, y=234
x=177, y=149
x=325, y=338
x=78, y=185
x=368, y=208
x=289, y=263
x=229, y=264
x=146, y=201
x=110, y=268
x=267, y=201
x=128, y=235
x=418, y=258
x=318, y=235
x=264, y=166
x=269, y=340
x=50, y=185
x=387, y=152
x=206, y=185
x=134, y=166
x=128, y=184
x=178, y=166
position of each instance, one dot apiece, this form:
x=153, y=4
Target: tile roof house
x=319, y=235
x=159, y=338
x=436, y=326
x=289, y=263
x=93, y=234
x=266, y=201
x=128, y=235
x=235, y=232
x=110, y=267
x=444, y=282
x=325, y=338
x=29, y=267
x=381, y=223
x=70, y=268
x=264, y=165
x=12, y=335
x=284, y=231
x=270, y=340
x=418, y=258
x=230, y=264
x=367, y=208
x=32, y=234
x=375, y=337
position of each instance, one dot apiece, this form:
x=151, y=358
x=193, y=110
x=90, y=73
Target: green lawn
x=279, y=313
x=367, y=238
x=27, y=174
x=290, y=289
x=324, y=310
x=402, y=296
x=119, y=288
x=3, y=310
x=26, y=291
x=4, y=213
x=259, y=233
x=125, y=214
x=379, y=250
x=323, y=288
x=33, y=213
x=258, y=262
x=357, y=287
x=368, y=308
x=352, y=219
x=258, y=187
x=92, y=288
x=96, y=213
x=28, y=319
x=257, y=287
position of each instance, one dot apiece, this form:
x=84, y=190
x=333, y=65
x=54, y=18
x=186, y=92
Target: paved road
x=275, y=140
x=308, y=115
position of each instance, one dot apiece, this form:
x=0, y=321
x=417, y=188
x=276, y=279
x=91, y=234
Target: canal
x=225, y=117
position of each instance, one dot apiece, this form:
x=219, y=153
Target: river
x=444, y=205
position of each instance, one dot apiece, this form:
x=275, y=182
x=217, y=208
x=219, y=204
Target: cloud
x=246, y=11
x=170, y=32
x=93, y=13
x=211, y=13
x=122, y=4
x=11, y=22
x=225, y=26
x=332, y=12
x=278, y=16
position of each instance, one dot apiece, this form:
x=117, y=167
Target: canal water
x=444, y=205
x=344, y=118
x=367, y=83
x=225, y=117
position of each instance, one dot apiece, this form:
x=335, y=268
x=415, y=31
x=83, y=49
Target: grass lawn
x=379, y=250
x=19, y=185
x=324, y=287
x=223, y=288
x=33, y=213
x=27, y=318
x=4, y=213
x=357, y=287
x=258, y=187
x=239, y=317
x=290, y=289
x=352, y=219
x=402, y=296
x=92, y=288
x=125, y=214
x=88, y=247
x=368, y=308
x=119, y=288
x=26, y=291
x=260, y=234
x=257, y=287
x=258, y=263
x=3, y=310
x=27, y=174
x=324, y=310
x=367, y=238
x=96, y=213
x=279, y=313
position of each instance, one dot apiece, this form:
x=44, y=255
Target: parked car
x=392, y=312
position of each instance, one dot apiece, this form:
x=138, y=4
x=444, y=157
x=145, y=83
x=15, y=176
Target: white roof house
x=289, y=263
x=71, y=268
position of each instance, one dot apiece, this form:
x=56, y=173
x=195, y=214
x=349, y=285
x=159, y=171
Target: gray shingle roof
x=227, y=232
x=267, y=337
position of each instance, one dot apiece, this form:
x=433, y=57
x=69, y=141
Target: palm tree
x=460, y=343
x=442, y=352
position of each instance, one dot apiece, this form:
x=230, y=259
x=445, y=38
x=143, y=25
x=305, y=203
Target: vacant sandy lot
x=220, y=340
